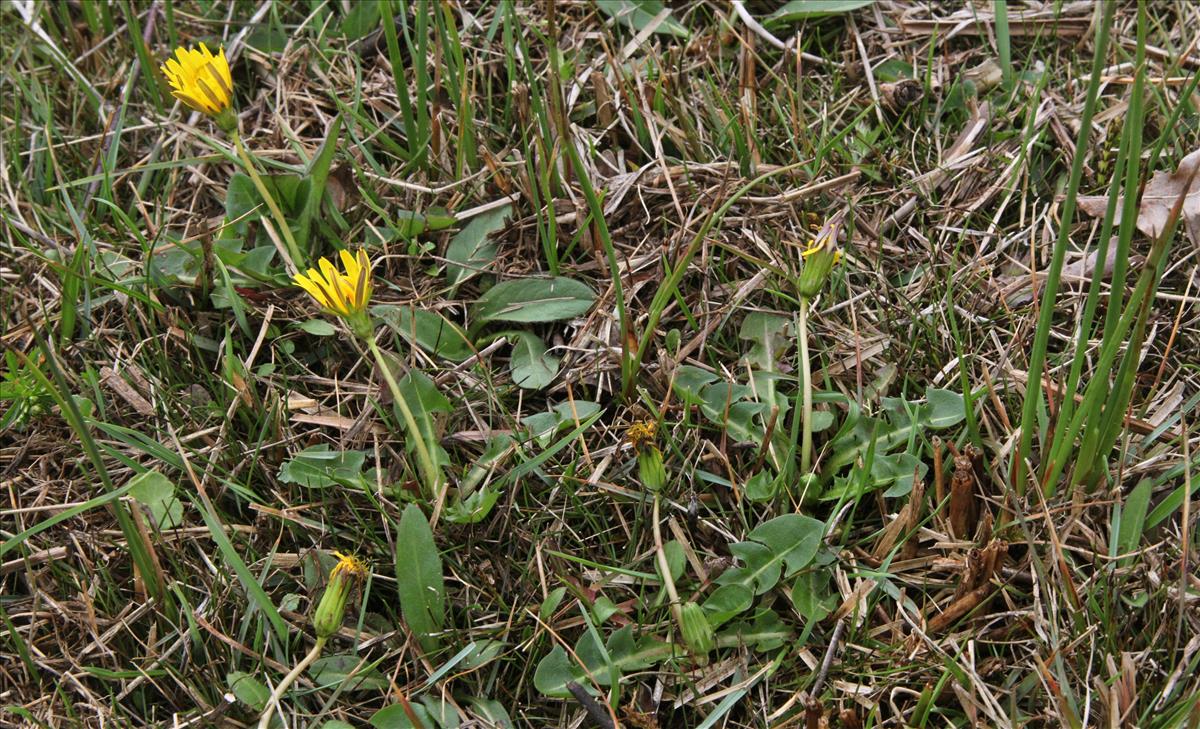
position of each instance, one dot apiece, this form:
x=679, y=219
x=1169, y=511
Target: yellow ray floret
x=342, y=294
x=824, y=239
x=817, y=244
x=641, y=433
x=350, y=564
x=200, y=79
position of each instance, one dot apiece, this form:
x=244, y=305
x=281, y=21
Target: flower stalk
x=430, y=474
x=346, y=295
x=693, y=624
x=326, y=620
x=664, y=566
x=273, y=701
x=281, y=221
x=820, y=256
x=202, y=81
x=806, y=391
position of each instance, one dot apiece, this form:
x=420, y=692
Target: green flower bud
x=328, y=616
x=808, y=487
x=819, y=257
x=651, y=471
x=697, y=633
x=360, y=324
x=650, y=468
x=673, y=339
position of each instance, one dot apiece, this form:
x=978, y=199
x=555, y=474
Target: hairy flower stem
x=284, y=229
x=429, y=474
x=273, y=701
x=806, y=447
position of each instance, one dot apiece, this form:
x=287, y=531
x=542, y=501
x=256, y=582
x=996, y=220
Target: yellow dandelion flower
x=641, y=433
x=825, y=239
x=820, y=256
x=201, y=80
x=345, y=295
x=815, y=246
x=350, y=564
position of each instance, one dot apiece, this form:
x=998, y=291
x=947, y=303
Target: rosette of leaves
x=775, y=550
x=472, y=254
x=624, y=652
x=888, y=447
x=532, y=301
x=744, y=410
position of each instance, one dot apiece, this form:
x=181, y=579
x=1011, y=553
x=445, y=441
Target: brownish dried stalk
x=959, y=607
x=939, y=478
x=963, y=509
x=982, y=565
x=900, y=95
x=830, y=652
x=905, y=523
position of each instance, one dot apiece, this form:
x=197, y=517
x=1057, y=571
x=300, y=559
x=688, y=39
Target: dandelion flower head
x=349, y=564
x=641, y=433
x=344, y=294
x=825, y=239
x=200, y=79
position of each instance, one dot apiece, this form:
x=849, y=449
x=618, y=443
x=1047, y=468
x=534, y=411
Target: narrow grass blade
x=1037, y=357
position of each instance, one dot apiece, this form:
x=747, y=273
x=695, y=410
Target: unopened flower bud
x=673, y=339
x=697, y=633
x=651, y=471
x=650, y=468
x=346, y=574
x=819, y=257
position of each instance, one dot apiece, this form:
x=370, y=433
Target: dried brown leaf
x=1158, y=199
x=906, y=521
x=127, y=392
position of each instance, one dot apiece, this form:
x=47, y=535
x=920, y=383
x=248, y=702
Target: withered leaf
x=1158, y=199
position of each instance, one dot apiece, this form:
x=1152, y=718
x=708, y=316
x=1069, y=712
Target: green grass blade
x=1037, y=357
x=254, y=589
x=61, y=393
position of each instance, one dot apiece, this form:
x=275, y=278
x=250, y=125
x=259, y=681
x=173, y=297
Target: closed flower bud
x=651, y=471
x=650, y=468
x=819, y=257
x=673, y=340
x=697, y=633
x=330, y=612
x=808, y=487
